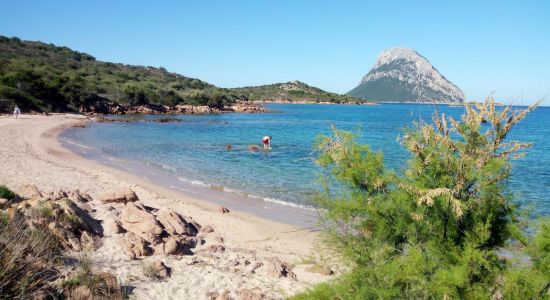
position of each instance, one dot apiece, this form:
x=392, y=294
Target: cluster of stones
x=148, y=231
x=65, y=215
x=109, y=108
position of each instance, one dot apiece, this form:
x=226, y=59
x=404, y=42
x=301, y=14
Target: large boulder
x=29, y=191
x=174, y=223
x=136, y=246
x=74, y=227
x=80, y=217
x=120, y=196
x=77, y=196
x=136, y=219
x=279, y=268
x=206, y=229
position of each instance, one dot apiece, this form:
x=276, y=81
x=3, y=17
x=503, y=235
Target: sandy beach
x=31, y=154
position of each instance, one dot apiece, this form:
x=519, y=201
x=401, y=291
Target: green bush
x=436, y=229
x=6, y=193
x=38, y=76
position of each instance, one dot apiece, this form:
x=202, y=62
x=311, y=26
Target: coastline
x=263, y=207
x=35, y=155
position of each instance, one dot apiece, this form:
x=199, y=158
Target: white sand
x=31, y=154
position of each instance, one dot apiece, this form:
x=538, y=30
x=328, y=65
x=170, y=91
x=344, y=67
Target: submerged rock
x=254, y=148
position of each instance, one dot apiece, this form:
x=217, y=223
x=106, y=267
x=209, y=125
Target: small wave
x=245, y=194
x=194, y=182
x=287, y=203
x=76, y=144
x=161, y=166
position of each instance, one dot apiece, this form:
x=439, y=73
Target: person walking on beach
x=16, y=112
x=267, y=142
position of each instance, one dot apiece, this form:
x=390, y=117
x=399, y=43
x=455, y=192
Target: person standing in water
x=16, y=112
x=267, y=142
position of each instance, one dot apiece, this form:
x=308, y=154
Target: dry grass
x=96, y=285
x=28, y=259
x=149, y=269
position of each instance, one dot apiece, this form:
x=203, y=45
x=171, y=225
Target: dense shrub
x=38, y=76
x=6, y=193
x=435, y=230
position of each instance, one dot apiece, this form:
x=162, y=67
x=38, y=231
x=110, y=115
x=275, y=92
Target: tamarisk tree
x=438, y=228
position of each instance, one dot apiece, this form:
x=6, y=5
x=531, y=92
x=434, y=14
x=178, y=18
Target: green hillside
x=45, y=77
x=294, y=91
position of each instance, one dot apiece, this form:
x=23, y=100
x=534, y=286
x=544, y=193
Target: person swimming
x=267, y=142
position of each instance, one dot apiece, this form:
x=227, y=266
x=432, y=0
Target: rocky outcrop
x=153, y=109
x=175, y=224
x=206, y=229
x=62, y=214
x=279, y=269
x=120, y=196
x=136, y=246
x=136, y=219
x=158, y=232
x=248, y=108
x=147, y=109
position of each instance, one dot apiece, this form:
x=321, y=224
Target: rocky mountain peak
x=401, y=74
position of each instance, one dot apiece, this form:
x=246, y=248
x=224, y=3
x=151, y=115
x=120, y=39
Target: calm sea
x=193, y=151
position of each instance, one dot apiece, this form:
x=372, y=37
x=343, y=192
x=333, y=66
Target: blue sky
x=482, y=46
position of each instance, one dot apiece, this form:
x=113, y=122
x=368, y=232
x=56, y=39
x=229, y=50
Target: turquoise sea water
x=194, y=151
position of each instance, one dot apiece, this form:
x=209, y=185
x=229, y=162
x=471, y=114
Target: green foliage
x=6, y=193
x=43, y=77
x=294, y=91
x=539, y=249
x=435, y=230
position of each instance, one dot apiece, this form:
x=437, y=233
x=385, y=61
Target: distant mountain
x=293, y=91
x=403, y=75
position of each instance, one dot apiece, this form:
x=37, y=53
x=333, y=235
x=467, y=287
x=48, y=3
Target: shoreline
x=34, y=155
x=263, y=207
